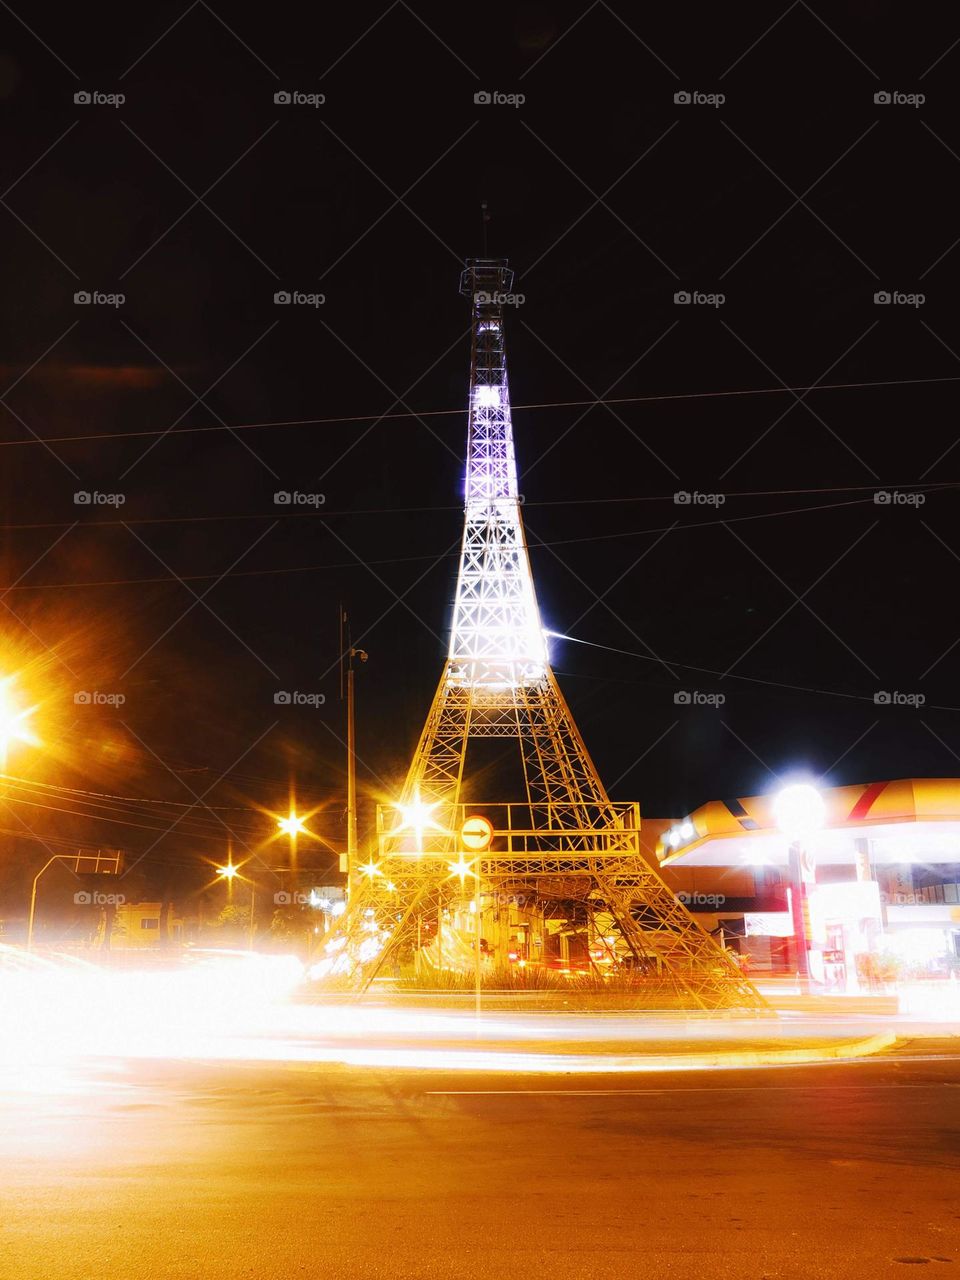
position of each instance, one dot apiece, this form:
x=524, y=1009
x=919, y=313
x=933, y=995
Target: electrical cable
x=438, y=413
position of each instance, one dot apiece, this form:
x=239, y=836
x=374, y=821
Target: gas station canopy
x=911, y=819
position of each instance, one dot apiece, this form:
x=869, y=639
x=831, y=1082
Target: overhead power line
x=438, y=557
x=321, y=513
x=732, y=675
x=214, y=428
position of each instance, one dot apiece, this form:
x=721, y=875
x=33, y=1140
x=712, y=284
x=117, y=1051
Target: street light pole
x=33, y=898
x=351, y=782
x=361, y=656
x=77, y=859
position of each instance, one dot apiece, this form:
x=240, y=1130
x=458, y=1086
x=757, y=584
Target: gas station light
x=799, y=810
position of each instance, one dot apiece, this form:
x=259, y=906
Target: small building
x=138, y=926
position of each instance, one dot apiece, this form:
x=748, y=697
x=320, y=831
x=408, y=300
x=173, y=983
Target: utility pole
x=348, y=654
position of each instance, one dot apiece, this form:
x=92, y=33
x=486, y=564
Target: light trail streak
x=60, y=1016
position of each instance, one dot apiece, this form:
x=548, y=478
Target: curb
x=830, y=1053
x=583, y=1064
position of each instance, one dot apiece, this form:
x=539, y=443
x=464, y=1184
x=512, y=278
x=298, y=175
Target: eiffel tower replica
x=565, y=842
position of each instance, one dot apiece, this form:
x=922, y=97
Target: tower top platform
x=486, y=275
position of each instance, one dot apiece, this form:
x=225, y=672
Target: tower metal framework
x=567, y=840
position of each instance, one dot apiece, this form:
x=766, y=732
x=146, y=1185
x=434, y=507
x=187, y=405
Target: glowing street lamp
x=228, y=874
x=415, y=816
x=292, y=825
x=14, y=719
x=461, y=868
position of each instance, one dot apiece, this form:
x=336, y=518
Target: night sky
x=797, y=198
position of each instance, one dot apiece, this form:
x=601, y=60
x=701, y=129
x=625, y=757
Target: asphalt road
x=225, y=1171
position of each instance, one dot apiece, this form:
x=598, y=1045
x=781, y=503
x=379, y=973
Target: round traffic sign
x=476, y=832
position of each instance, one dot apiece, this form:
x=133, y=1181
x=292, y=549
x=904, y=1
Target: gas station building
x=854, y=887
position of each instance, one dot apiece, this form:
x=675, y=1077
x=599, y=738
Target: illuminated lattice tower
x=565, y=841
